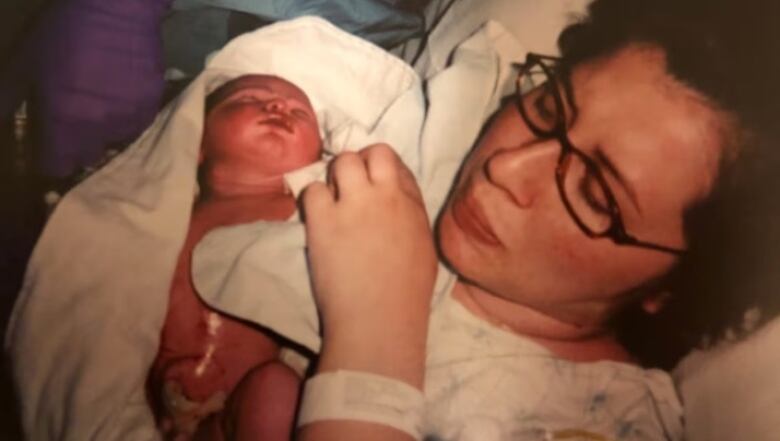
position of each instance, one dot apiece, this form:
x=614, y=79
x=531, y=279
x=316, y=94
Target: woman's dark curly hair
x=729, y=51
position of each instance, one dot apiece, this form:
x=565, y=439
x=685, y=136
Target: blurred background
x=21, y=204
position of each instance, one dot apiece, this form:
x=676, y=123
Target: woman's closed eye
x=541, y=110
x=592, y=192
x=544, y=105
x=548, y=112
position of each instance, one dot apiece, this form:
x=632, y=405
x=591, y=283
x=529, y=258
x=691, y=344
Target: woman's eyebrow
x=607, y=164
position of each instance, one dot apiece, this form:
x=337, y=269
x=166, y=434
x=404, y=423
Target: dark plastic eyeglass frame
x=616, y=230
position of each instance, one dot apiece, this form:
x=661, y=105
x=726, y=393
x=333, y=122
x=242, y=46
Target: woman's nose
x=526, y=172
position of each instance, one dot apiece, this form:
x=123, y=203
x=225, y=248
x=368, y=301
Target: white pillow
x=732, y=392
x=535, y=23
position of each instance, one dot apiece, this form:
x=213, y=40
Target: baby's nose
x=275, y=105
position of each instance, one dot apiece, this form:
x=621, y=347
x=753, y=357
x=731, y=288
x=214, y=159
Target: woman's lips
x=469, y=217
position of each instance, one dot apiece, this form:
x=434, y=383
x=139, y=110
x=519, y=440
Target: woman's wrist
x=394, y=351
x=357, y=396
x=391, y=346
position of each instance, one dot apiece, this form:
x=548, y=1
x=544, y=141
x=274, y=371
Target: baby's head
x=257, y=128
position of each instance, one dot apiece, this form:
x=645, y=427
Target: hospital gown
x=485, y=383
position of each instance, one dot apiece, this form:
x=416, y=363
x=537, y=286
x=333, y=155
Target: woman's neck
x=566, y=340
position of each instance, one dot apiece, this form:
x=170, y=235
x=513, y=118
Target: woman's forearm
x=386, y=342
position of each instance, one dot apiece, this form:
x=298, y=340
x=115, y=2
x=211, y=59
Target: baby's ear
x=654, y=303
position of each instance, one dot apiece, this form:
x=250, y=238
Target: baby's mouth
x=280, y=122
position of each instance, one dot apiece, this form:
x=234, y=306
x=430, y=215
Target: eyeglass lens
x=583, y=189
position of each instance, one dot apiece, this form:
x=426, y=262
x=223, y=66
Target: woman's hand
x=373, y=267
x=373, y=264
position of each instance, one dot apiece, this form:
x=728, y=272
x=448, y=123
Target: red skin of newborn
x=257, y=128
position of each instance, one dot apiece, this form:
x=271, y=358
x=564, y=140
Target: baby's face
x=259, y=126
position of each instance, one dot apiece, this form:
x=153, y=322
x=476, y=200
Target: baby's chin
x=233, y=183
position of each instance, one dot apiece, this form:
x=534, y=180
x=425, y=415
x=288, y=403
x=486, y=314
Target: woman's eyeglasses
x=581, y=185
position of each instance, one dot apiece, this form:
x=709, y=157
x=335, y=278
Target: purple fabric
x=94, y=71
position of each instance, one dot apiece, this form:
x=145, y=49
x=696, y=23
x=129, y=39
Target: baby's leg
x=262, y=407
x=189, y=388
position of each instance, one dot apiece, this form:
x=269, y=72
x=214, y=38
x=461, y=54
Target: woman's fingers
x=382, y=163
x=347, y=175
x=351, y=173
x=384, y=166
x=316, y=198
x=370, y=245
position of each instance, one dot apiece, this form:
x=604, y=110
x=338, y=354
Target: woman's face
x=505, y=228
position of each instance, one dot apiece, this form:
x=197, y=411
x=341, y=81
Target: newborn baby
x=257, y=128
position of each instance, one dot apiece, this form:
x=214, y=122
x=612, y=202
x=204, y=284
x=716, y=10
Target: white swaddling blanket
x=87, y=323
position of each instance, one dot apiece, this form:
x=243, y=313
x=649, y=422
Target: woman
x=589, y=204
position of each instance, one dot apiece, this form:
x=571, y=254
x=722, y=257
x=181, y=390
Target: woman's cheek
x=565, y=249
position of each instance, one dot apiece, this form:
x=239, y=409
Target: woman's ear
x=654, y=303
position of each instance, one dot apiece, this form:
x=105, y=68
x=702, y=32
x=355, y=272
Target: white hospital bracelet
x=360, y=396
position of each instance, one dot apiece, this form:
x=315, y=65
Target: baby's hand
x=371, y=249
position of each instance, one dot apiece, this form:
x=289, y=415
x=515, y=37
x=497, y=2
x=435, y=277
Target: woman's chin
x=238, y=183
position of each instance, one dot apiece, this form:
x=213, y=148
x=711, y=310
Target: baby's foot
x=182, y=415
x=262, y=407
